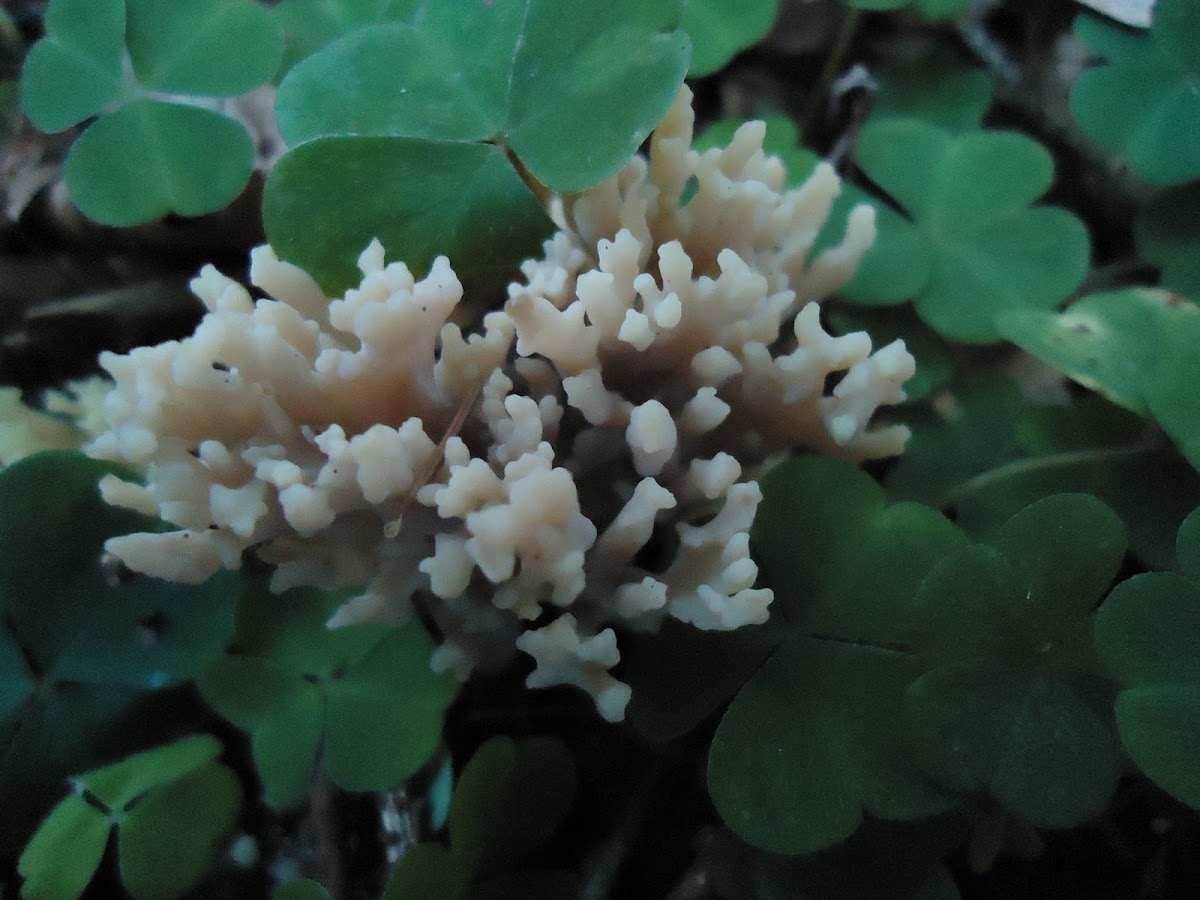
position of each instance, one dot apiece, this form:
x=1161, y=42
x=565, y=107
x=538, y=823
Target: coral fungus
x=660, y=349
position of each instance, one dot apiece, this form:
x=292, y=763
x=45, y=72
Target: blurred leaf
x=929, y=9
x=75, y=625
x=16, y=681
x=302, y=889
x=427, y=198
x=366, y=692
x=92, y=647
x=1148, y=635
x=166, y=842
x=185, y=804
x=1188, y=546
x=571, y=86
x=969, y=197
x=882, y=861
x=309, y=25
x=1140, y=347
x=427, y=871
x=150, y=158
x=1143, y=105
x=984, y=454
x=720, y=29
x=121, y=783
x=61, y=858
x=511, y=797
x=1011, y=703
x=62, y=729
x=936, y=88
x=75, y=70
x=218, y=48
x=1167, y=231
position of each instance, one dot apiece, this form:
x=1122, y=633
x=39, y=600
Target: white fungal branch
x=367, y=442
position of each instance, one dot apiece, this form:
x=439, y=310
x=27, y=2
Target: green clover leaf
x=308, y=25
x=75, y=70
x=811, y=742
x=151, y=158
x=970, y=197
x=510, y=799
x=169, y=805
x=217, y=48
x=936, y=88
x=545, y=78
x=720, y=29
x=1138, y=347
x=439, y=109
x=427, y=198
x=929, y=9
x=1167, y=231
x=1148, y=635
x=365, y=693
x=1143, y=105
x=983, y=453
x=78, y=653
x=61, y=858
x=148, y=155
x=1011, y=704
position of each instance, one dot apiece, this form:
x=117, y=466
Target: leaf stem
x=983, y=480
x=543, y=194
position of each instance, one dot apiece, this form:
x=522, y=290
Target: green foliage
x=681, y=675
x=362, y=695
x=935, y=88
x=170, y=806
x=1012, y=703
x=969, y=198
x=302, y=889
x=510, y=799
x=985, y=453
x=938, y=675
x=77, y=653
x=882, y=861
x=930, y=9
x=812, y=740
x=568, y=91
x=720, y=29
x=1148, y=634
x=1135, y=347
x=318, y=215
x=1167, y=230
x=148, y=155
x=1143, y=105
x=308, y=25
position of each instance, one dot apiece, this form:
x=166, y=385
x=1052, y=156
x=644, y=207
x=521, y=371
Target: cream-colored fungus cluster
x=662, y=346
